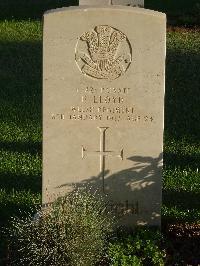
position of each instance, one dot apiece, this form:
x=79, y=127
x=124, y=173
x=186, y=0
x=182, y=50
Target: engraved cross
x=102, y=152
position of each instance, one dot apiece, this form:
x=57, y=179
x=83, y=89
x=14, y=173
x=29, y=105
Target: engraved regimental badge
x=103, y=53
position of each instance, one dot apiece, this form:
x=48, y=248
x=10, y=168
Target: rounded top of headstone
x=89, y=8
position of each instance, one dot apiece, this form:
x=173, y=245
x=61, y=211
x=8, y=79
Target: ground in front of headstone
x=184, y=243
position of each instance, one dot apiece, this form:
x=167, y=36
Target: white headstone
x=139, y=3
x=103, y=102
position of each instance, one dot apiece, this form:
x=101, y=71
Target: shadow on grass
x=27, y=147
x=178, y=160
x=33, y=9
x=171, y=6
x=182, y=94
x=22, y=69
x=21, y=83
x=20, y=105
x=10, y=182
x=182, y=200
x=21, y=59
x=183, y=206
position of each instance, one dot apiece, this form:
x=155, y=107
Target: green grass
x=20, y=122
x=20, y=116
x=181, y=188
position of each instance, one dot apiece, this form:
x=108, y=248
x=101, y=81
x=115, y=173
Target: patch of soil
x=183, y=245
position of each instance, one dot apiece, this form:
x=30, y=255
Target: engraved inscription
x=102, y=152
x=103, y=53
x=107, y=90
x=106, y=104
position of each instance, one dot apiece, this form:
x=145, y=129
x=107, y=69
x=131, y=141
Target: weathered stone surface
x=139, y=3
x=94, y=2
x=112, y=2
x=103, y=104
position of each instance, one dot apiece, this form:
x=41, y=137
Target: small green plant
x=140, y=248
x=72, y=231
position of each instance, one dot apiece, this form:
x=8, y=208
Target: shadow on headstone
x=128, y=188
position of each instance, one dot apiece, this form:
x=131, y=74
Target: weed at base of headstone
x=71, y=231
